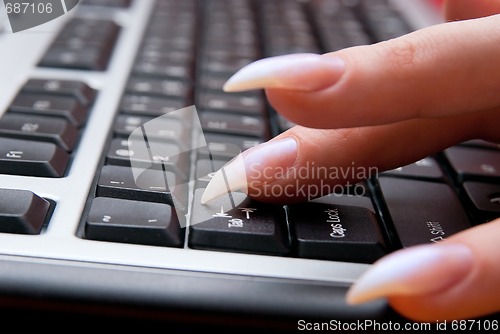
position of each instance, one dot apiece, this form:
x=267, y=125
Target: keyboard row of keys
x=167, y=48
x=135, y=192
x=322, y=229
x=286, y=28
x=229, y=40
x=41, y=128
x=85, y=44
x=332, y=17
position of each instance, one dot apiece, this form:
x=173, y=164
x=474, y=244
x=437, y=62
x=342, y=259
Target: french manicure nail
x=413, y=271
x=254, y=165
x=305, y=72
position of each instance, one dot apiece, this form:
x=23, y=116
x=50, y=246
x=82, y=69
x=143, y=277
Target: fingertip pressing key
x=256, y=166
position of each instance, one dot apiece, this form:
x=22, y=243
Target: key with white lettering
x=153, y=106
x=141, y=185
x=159, y=87
x=37, y=128
x=23, y=157
x=164, y=129
x=249, y=105
x=422, y=212
x=50, y=105
x=135, y=222
x=137, y=153
x=239, y=224
x=226, y=147
x=226, y=123
x=336, y=232
x=77, y=89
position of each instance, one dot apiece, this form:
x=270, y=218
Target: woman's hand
x=384, y=106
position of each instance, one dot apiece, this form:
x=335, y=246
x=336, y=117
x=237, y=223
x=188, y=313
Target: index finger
x=440, y=71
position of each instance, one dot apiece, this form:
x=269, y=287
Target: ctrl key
x=22, y=211
x=134, y=222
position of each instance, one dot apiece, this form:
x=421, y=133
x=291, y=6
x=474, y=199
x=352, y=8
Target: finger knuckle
x=402, y=54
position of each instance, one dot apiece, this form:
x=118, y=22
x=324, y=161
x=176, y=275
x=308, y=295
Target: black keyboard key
x=234, y=124
x=336, y=232
x=89, y=29
x=143, y=105
x=176, y=43
x=145, y=67
x=226, y=147
x=140, y=185
x=77, y=89
x=135, y=222
x=155, y=155
x=210, y=82
x=82, y=44
x=224, y=64
x=227, y=51
x=474, y=164
x=22, y=212
x=47, y=105
x=49, y=129
x=22, y=157
x=183, y=58
x=125, y=125
x=426, y=168
x=164, y=129
x=239, y=224
x=422, y=212
x=159, y=87
x=91, y=58
x=485, y=198
x=248, y=105
x=70, y=42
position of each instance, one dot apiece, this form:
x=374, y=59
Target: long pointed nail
x=305, y=72
x=413, y=271
x=257, y=165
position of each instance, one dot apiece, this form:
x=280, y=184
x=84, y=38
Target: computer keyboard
x=74, y=216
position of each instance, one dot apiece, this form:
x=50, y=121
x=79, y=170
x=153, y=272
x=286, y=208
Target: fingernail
x=259, y=164
x=413, y=271
x=305, y=72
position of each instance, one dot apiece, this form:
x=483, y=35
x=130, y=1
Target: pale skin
x=434, y=88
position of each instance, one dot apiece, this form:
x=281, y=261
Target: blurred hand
x=384, y=106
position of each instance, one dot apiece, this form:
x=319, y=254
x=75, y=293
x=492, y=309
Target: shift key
x=422, y=212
